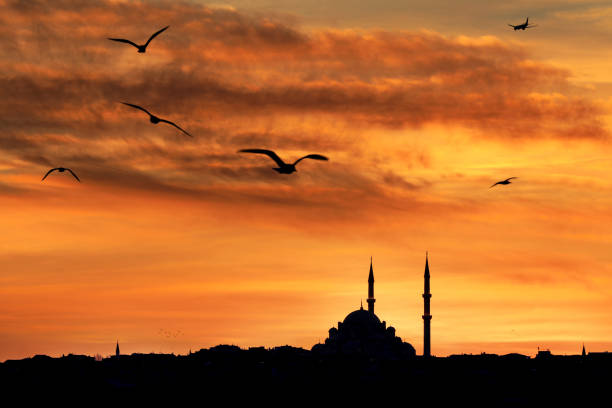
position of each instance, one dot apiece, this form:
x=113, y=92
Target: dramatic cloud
x=238, y=81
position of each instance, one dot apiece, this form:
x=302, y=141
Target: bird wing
x=124, y=41
x=155, y=35
x=494, y=185
x=311, y=156
x=137, y=107
x=511, y=178
x=75, y=176
x=269, y=153
x=176, y=126
x=49, y=172
x=511, y=25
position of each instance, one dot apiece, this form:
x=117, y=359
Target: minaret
x=117, y=349
x=371, y=299
x=583, y=350
x=426, y=313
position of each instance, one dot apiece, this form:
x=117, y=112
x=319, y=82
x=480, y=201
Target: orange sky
x=172, y=243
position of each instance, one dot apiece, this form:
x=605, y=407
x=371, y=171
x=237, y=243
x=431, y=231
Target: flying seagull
x=141, y=48
x=283, y=168
x=155, y=120
x=61, y=170
x=506, y=181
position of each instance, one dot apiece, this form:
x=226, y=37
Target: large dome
x=361, y=318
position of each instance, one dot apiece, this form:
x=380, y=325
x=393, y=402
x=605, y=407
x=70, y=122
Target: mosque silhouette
x=362, y=332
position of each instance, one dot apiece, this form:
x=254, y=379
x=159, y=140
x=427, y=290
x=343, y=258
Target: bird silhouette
x=155, y=120
x=506, y=181
x=141, y=48
x=283, y=168
x=61, y=170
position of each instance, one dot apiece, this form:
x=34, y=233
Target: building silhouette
x=362, y=332
x=117, y=353
x=371, y=299
x=426, y=312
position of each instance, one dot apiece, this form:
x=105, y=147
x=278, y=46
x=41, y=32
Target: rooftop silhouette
x=499, y=380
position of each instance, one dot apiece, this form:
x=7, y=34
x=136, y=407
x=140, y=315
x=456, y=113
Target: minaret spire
x=117, y=349
x=426, y=312
x=371, y=299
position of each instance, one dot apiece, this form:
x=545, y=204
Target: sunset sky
x=173, y=243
